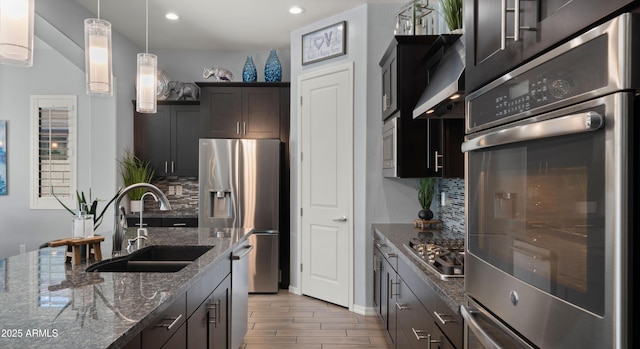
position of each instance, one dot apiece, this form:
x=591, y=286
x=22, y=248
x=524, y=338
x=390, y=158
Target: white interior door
x=327, y=183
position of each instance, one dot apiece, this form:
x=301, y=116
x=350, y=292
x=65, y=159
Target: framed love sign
x=324, y=43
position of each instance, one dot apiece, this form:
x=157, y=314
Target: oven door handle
x=565, y=125
x=481, y=335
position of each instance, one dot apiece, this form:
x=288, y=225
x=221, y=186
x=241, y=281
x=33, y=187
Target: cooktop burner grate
x=443, y=256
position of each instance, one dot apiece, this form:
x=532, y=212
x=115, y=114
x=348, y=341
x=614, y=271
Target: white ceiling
x=217, y=24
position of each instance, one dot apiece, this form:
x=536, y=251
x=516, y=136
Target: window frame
x=53, y=101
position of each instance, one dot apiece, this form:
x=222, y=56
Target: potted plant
x=452, y=13
x=134, y=170
x=92, y=209
x=426, y=187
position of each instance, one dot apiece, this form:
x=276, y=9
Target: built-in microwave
x=389, y=147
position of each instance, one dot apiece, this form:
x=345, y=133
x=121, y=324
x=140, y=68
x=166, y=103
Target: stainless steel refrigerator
x=239, y=188
x=239, y=182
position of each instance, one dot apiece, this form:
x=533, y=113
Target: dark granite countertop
x=160, y=214
x=450, y=291
x=46, y=303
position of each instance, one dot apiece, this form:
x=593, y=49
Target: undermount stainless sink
x=152, y=259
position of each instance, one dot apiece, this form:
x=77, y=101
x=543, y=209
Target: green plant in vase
x=92, y=208
x=426, y=188
x=134, y=170
x=452, y=13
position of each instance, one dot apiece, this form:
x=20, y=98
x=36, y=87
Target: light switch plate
x=172, y=190
x=178, y=190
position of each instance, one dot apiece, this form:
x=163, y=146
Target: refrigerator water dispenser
x=221, y=204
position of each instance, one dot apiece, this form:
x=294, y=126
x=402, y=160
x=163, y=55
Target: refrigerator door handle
x=246, y=251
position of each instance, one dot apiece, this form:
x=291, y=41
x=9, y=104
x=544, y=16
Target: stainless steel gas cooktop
x=444, y=256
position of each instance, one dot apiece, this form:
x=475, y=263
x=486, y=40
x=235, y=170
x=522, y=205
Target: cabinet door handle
x=391, y=294
x=238, y=127
x=516, y=20
x=420, y=334
x=503, y=25
x=166, y=169
x=173, y=323
x=439, y=167
x=441, y=319
x=385, y=100
x=215, y=308
x=402, y=306
x=432, y=341
x=244, y=128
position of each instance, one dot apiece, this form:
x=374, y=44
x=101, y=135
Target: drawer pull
x=179, y=224
x=173, y=323
x=420, y=334
x=379, y=245
x=390, y=255
x=441, y=319
x=402, y=306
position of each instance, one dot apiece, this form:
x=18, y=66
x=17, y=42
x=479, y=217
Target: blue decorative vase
x=249, y=72
x=273, y=69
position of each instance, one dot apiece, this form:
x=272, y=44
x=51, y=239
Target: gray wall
x=106, y=123
x=370, y=29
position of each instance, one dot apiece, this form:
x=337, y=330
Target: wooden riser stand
x=74, y=246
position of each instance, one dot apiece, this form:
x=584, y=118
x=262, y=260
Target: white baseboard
x=294, y=290
x=366, y=311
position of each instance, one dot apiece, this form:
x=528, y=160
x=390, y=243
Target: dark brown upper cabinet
x=169, y=138
x=241, y=110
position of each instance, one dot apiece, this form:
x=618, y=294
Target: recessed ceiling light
x=172, y=16
x=296, y=10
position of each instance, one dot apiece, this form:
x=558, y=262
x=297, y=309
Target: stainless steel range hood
x=446, y=82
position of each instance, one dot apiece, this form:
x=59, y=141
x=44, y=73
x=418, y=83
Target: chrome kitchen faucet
x=119, y=224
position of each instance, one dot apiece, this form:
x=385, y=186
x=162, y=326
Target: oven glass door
x=537, y=208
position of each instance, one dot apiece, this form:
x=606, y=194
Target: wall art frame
x=324, y=43
x=3, y=157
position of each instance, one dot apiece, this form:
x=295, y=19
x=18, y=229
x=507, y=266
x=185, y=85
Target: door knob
x=340, y=219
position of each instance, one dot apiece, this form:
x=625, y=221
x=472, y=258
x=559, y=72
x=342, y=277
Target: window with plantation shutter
x=54, y=149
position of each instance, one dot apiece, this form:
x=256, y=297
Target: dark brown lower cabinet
x=166, y=326
x=411, y=311
x=416, y=328
x=134, y=343
x=208, y=327
x=177, y=340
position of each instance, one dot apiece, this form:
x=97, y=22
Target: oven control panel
x=575, y=72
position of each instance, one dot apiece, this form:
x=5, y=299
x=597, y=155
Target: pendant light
x=146, y=77
x=16, y=32
x=97, y=56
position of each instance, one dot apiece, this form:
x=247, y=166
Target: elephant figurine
x=220, y=74
x=184, y=90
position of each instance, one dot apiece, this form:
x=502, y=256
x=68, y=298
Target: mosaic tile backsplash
x=452, y=214
x=186, y=203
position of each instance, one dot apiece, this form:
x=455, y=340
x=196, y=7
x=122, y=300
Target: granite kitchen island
x=47, y=303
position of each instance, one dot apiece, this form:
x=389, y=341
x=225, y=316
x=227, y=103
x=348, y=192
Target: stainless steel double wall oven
x=551, y=153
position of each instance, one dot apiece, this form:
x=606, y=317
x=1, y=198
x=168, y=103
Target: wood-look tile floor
x=289, y=321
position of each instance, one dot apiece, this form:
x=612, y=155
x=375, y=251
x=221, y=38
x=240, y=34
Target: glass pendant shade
x=16, y=32
x=98, y=67
x=146, y=90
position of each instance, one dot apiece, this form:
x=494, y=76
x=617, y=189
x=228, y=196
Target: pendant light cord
x=98, y=9
x=146, y=34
